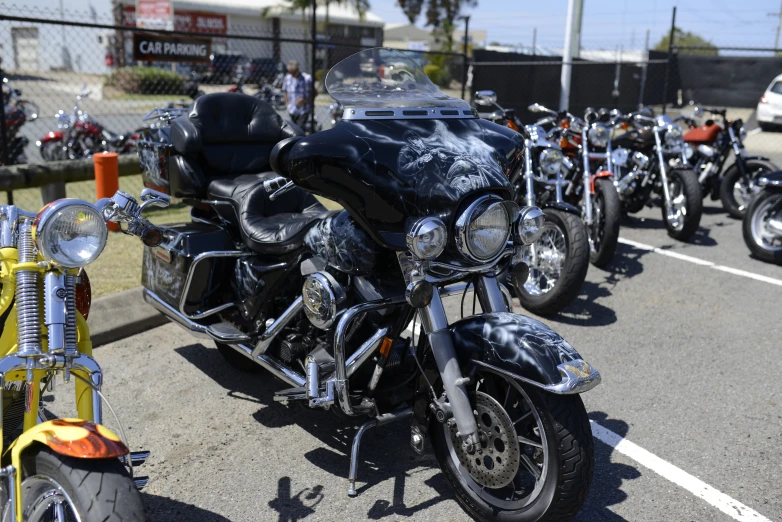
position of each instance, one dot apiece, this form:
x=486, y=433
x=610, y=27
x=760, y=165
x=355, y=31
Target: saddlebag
x=165, y=268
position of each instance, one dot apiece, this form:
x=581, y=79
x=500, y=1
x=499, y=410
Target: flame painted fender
x=522, y=348
x=601, y=174
x=71, y=437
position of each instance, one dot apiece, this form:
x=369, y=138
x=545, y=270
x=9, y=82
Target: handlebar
x=122, y=208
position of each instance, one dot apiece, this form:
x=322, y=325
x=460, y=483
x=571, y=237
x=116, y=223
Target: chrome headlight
x=70, y=233
x=427, y=238
x=321, y=294
x=483, y=229
x=674, y=136
x=598, y=136
x=550, y=161
x=620, y=156
x=529, y=227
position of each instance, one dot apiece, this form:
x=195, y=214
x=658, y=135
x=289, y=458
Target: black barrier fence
x=103, y=74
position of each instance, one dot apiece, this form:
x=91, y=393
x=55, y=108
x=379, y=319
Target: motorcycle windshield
x=382, y=78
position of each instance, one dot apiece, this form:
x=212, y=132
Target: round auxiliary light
x=427, y=238
x=70, y=233
x=321, y=294
x=529, y=227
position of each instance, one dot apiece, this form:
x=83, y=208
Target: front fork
x=435, y=324
x=663, y=173
x=585, y=178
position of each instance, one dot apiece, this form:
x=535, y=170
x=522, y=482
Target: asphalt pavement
x=689, y=358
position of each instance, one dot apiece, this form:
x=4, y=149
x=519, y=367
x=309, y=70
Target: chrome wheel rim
x=546, y=259
x=595, y=230
x=532, y=469
x=676, y=212
x=765, y=237
x=48, y=501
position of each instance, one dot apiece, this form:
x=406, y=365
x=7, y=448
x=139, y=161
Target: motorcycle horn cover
x=551, y=161
x=427, y=238
x=321, y=294
x=598, y=136
x=483, y=229
x=70, y=233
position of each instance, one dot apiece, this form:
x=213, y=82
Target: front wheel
x=683, y=216
x=604, y=231
x=558, y=264
x=536, y=454
x=736, y=192
x=763, y=213
x=60, y=488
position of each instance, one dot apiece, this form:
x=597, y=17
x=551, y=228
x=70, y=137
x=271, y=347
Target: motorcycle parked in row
x=14, y=98
x=322, y=300
x=15, y=117
x=707, y=148
x=80, y=136
x=762, y=226
x=657, y=165
x=589, y=182
x=57, y=469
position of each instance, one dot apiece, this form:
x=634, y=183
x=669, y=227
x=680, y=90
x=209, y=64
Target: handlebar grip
x=274, y=184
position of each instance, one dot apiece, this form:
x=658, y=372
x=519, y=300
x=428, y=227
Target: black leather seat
x=223, y=145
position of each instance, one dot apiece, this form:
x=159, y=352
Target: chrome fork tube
x=490, y=295
x=528, y=175
x=55, y=299
x=28, y=314
x=585, y=177
x=435, y=324
x=663, y=174
x=71, y=333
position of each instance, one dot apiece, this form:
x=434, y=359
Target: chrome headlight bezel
x=674, y=137
x=50, y=246
x=529, y=226
x=599, y=135
x=462, y=236
x=418, y=235
x=550, y=161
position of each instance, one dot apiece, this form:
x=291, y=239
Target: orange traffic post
x=107, y=178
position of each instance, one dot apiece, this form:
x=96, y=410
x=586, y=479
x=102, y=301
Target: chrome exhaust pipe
x=140, y=482
x=273, y=366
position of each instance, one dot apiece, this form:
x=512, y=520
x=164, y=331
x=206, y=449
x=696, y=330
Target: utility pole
x=572, y=33
x=643, y=71
x=575, y=43
x=534, y=41
x=464, y=53
x=668, y=63
x=779, y=24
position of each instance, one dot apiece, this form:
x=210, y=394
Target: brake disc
x=496, y=461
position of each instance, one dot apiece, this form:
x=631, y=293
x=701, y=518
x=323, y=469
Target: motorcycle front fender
x=759, y=158
x=772, y=180
x=561, y=205
x=524, y=349
x=51, y=136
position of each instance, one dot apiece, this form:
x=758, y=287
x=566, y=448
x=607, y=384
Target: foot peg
x=380, y=420
x=136, y=458
x=140, y=482
x=291, y=394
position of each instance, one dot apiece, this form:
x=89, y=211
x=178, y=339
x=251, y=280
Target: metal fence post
x=312, y=65
x=668, y=63
x=4, y=139
x=464, y=54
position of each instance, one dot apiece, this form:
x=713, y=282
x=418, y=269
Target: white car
x=769, y=112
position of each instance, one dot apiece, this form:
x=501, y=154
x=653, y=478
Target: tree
x=441, y=16
x=687, y=39
x=411, y=8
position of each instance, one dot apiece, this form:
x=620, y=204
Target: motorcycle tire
x=52, y=151
x=566, y=471
x=237, y=360
x=687, y=190
x=732, y=181
x=97, y=490
x=607, y=202
x=753, y=221
x=572, y=273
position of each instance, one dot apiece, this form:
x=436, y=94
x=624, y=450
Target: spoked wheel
x=683, y=216
x=56, y=488
x=558, y=264
x=535, y=459
x=736, y=192
x=762, y=227
x=604, y=231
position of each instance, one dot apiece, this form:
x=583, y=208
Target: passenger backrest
x=222, y=135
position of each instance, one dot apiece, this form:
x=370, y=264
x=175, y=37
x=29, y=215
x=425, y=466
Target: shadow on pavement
x=608, y=478
x=384, y=452
x=164, y=509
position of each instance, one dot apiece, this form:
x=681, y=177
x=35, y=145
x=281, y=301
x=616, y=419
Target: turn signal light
x=83, y=294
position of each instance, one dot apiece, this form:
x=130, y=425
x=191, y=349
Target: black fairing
x=387, y=171
x=514, y=343
x=343, y=244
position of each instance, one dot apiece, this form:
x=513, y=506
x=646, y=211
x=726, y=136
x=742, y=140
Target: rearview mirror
x=485, y=98
x=536, y=107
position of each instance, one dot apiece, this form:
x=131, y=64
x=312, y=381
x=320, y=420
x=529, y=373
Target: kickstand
x=377, y=421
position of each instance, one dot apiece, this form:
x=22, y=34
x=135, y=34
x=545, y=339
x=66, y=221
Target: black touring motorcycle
x=323, y=300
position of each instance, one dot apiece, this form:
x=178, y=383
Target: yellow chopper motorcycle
x=65, y=469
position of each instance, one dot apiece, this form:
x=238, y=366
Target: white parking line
x=668, y=471
x=752, y=132
x=702, y=262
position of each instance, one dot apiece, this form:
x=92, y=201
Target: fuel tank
x=704, y=134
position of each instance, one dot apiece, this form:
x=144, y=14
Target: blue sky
x=610, y=23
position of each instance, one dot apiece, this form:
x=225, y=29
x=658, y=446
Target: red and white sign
x=186, y=21
x=155, y=14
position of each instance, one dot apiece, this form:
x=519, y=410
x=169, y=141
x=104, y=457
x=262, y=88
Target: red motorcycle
x=80, y=136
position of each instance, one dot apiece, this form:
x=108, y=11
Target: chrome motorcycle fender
x=525, y=349
x=562, y=206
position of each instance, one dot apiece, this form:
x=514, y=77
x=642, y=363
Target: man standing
x=299, y=94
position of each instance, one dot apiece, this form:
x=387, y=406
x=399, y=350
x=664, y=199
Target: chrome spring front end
x=28, y=283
